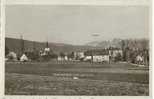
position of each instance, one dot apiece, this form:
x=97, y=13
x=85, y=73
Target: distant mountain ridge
x=106, y=44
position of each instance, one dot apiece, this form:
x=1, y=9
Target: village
x=95, y=55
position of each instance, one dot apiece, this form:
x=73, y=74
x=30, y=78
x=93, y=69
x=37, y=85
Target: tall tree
x=6, y=50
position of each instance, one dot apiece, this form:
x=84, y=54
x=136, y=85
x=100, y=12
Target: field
x=76, y=78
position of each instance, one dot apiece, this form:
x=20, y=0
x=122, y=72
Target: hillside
x=15, y=45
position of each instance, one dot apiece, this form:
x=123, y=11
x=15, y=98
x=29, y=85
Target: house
x=12, y=56
x=81, y=55
x=101, y=58
x=78, y=55
x=115, y=52
x=106, y=58
x=97, y=58
x=60, y=58
x=87, y=58
x=65, y=58
x=139, y=59
x=97, y=55
x=23, y=58
x=46, y=51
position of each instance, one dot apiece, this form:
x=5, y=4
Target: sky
x=76, y=24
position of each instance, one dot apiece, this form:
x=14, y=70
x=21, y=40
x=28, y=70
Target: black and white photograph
x=77, y=50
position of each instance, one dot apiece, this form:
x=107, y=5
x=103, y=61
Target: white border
x=2, y=43
x=152, y=48
x=80, y=2
x=70, y=2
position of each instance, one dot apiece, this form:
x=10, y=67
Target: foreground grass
x=112, y=72
x=21, y=84
x=93, y=79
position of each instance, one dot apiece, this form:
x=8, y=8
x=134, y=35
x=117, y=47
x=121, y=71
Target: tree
x=6, y=50
x=62, y=54
x=53, y=55
x=71, y=55
x=123, y=50
x=118, y=57
x=132, y=56
x=34, y=55
x=46, y=57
